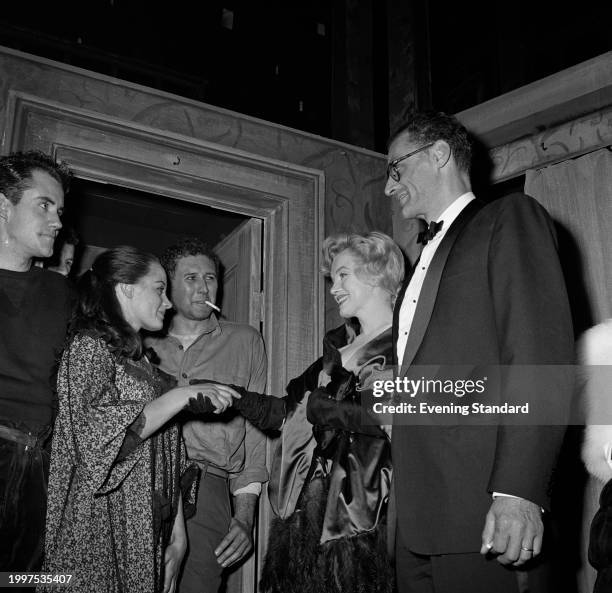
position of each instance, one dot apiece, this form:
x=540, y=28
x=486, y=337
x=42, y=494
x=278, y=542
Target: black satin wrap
x=331, y=477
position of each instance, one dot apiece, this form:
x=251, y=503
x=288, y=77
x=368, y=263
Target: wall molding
x=561, y=97
x=560, y=143
x=178, y=100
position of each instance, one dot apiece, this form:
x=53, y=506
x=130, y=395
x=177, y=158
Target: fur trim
x=597, y=439
x=297, y=563
x=595, y=354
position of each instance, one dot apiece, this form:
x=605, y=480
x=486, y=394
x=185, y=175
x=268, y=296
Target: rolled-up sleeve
x=254, y=469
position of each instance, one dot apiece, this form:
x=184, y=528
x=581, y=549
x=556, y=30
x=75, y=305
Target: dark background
x=343, y=69
x=349, y=70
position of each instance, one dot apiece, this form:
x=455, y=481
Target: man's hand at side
x=238, y=541
x=513, y=530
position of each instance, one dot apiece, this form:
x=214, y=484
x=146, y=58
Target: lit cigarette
x=212, y=306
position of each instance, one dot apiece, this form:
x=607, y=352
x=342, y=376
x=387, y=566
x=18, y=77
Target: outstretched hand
x=211, y=397
x=513, y=530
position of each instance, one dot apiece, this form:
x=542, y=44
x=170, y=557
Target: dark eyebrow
x=47, y=199
x=52, y=201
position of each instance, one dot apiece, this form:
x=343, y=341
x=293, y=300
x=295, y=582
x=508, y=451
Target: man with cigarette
x=229, y=451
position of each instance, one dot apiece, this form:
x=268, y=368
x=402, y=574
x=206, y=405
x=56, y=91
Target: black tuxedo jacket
x=494, y=294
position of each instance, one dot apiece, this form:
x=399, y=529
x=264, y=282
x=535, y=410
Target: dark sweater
x=34, y=312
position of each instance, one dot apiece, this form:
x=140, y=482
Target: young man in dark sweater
x=34, y=311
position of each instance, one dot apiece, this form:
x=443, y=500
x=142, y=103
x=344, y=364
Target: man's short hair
x=184, y=248
x=16, y=172
x=428, y=126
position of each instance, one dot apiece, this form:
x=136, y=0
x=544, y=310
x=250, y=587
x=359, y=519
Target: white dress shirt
x=411, y=298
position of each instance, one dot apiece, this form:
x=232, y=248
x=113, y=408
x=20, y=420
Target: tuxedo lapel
x=429, y=291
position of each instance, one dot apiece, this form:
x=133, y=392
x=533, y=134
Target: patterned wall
x=354, y=177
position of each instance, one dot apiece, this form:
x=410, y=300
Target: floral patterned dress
x=110, y=512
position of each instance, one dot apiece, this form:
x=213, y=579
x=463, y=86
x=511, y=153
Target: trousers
x=24, y=473
x=205, y=530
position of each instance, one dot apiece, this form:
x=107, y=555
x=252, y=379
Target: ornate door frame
x=287, y=197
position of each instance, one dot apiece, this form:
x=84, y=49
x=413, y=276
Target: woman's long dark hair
x=98, y=312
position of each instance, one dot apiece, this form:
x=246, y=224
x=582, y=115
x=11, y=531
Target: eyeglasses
x=393, y=171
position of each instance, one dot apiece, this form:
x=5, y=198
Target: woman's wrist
x=179, y=531
x=179, y=540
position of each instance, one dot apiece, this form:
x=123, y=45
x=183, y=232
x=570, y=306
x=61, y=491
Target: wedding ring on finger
x=530, y=550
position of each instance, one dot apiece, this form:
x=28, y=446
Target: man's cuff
x=252, y=488
x=496, y=494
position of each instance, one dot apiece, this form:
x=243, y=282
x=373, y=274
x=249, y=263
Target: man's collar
x=211, y=325
x=449, y=215
x=433, y=236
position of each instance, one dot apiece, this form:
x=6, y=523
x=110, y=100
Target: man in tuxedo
x=486, y=292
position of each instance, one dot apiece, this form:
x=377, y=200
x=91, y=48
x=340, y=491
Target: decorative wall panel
x=354, y=177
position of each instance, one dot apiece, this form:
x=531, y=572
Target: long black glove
x=200, y=405
x=266, y=412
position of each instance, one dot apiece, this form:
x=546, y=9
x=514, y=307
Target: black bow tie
x=430, y=232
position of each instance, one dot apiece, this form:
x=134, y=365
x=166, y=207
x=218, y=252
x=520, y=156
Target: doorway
x=107, y=215
x=287, y=198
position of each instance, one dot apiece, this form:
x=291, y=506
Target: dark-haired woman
x=115, y=514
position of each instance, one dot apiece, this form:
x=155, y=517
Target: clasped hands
x=513, y=530
x=210, y=397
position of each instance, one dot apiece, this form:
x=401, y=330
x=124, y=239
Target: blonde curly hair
x=382, y=262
